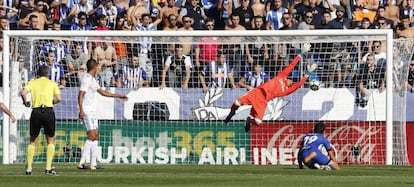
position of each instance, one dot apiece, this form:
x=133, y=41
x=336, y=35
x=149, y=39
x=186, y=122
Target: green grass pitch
x=207, y=175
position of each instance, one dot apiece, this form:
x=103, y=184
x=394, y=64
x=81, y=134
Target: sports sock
x=30, y=154
x=234, y=107
x=86, y=152
x=49, y=155
x=94, y=148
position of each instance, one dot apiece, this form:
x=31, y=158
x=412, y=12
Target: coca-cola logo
x=370, y=139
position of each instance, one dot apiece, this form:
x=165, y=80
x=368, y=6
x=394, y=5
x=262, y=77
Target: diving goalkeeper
x=279, y=86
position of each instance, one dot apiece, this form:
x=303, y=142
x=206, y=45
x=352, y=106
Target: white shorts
x=90, y=123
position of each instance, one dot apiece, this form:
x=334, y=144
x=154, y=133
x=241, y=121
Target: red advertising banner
x=410, y=141
x=278, y=143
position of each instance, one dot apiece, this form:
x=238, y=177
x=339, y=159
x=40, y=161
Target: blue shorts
x=320, y=158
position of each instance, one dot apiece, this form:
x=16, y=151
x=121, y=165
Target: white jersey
x=90, y=86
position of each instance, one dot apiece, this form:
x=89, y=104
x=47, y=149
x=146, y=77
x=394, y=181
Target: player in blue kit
x=311, y=155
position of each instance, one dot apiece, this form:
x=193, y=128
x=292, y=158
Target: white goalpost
x=185, y=126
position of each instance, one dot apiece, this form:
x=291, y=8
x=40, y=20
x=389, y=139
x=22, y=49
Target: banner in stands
x=193, y=104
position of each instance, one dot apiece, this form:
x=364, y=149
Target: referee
x=45, y=93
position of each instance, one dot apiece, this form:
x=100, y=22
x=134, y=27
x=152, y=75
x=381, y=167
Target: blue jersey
x=312, y=143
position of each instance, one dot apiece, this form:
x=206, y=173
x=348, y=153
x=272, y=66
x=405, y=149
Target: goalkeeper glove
x=304, y=49
x=310, y=69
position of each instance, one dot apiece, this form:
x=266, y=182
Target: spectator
x=212, y=11
x=82, y=24
x=110, y=11
x=56, y=26
x=288, y=22
x=105, y=55
x=12, y=9
x=135, y=12
x=218, y=73
x=366, y=24
x=121, y=47
x=405, y=30
x=410, y=80
x=102, y=20
x=62, y=13
x=172, y=23
x=408, y=10
x=122, y=6
x=23, y=72
x=82, y=6
x=56, y=70
x=145, y=61
x=392, y=12
x=258, y=51
x=131, y=75
x=254, y=78
x=170, y=8
x=370, y=77
x=340, y=19
x=381, y=15
x=365, y=8
x=225, y=8
x=246, y=14
x=57, y=46
x=8, y=12
x=235, y=53
x=186, y=41
x=274, y=16
x=24, y=10
x=178, y=67
x=194, y=11
x=307, y=24
x=4, y=24
x=206, y=50
x=258, y=8
x=378, y=52
x=168, y=49
x=326, y=22
x=77, y=63
x=315, y=7
x=42, y=21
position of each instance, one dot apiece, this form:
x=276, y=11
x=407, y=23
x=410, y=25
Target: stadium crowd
x=147, y=64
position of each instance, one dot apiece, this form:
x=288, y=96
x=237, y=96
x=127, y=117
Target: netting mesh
x=181, y=123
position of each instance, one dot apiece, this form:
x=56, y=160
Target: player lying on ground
x=279, y=86
x=309, y=153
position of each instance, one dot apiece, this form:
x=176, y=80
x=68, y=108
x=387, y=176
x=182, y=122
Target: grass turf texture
x=206, y=175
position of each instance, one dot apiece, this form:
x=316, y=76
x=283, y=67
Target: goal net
x=181, y=86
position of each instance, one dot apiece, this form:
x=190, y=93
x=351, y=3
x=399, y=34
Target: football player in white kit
x=88, y=92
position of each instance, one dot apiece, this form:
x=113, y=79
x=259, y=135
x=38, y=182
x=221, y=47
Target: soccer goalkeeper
x=279, y=86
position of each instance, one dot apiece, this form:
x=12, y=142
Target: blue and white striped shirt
x=145, y=42
x=56, y=72
x=59, y=49
x=131, y=76
x=255, y=80
x=218, y=74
